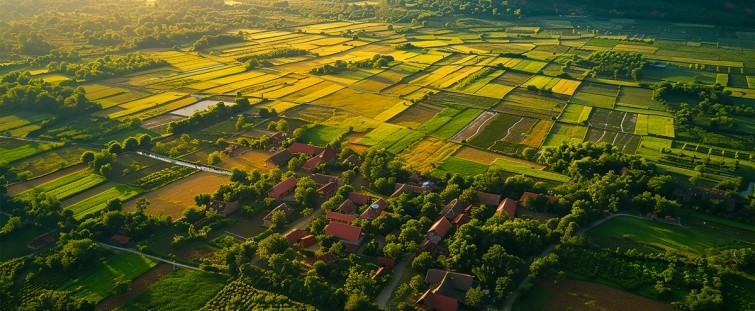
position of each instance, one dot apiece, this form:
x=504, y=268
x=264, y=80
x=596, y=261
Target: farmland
x=95, y=285
x=68, y=185
x=98, y=201
x=181, y=290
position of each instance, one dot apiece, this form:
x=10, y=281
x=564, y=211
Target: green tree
x=130, y=144
x=422, y=263
x=213, y=158
x=278, y=221
x=106, y=169
x=120, y=285
x=474, y=297
x=87, y=157
x=306, y=192
x=272, y=244
x=240, y=123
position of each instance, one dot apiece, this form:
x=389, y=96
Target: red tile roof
x=120, y=239
x=358, y=198
x=488, y=198
x=344, y=231
x=308, y=241
x=339, y=217
x=534, y=196
x=415, y=177
x=441, y=227
x=322, y=179
x=461, y=219
x=507, y=205
x=302, y=148
x=311, y=163
x=328, y=154
x=294, y=236
x=285, y=185
x=350, y=248
x=388, y=262
x=354, y=159
x=280, y=157
x=327, y=258
x=328, y=188
x=347, y=207
x=374, y=210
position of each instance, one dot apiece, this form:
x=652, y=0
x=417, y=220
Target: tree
x=120, y=285
x=114, y=205
x=272, y=244
x=114, y=148
x=357, y=302
x=474, y=297
x=213, y=158
x=130, y=144
x=298, y=133
x=202, y=199
x=87, y=157
x=469, y=195
x=637, y=74
x=393, y=250
x=106, y=169
x=306, y=192
x=544, y=266
x=240, y=123
x=282, y=126
x=141, y=205
x=422, y=263
x=278, y=220
x=529, y=153
x=145, y=140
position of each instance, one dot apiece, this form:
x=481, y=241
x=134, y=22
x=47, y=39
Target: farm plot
x=613, y=120
x=50, y=161
x=393, y=111
x=98, y=202
x=465, y=168
x=146, y=103
x=661, y=126
x=240, y=295
x=575, y=114
x=159, y=110
x=309, y=113
x=205, y=85
x=186, y=61
x=641, y=127
x=473, y=83
x=598, y=89
x=528, y=170
x=542, y=82
x=380, y=81
x=451, y=79
x=751, y=82
x=432, y=74
x=512, y=78
x=638, y=98
x=474, y=128
x=174, y=198
x=244, y=84
x=182, y=290
x=495, y=130
x=458, y=122
x=566, y=87
x=537, y=134
x=594, y=100
x=531, y=104
x=22, y=118
x=116, y=100
x=379, y=134
x=627, y=143
x=601, y=42
x=494, y=90
x=95, y=284
x=68, y=185
x=516, y=133
x=531, y=66
x=287, y=90
x=429, y=58
x=450, y=98
x=11, y=150
x=321, y=135
x=416, y=115
x=428, y=153
x=105, y=93
x=565, y=133
x=370, y=105
x=722, y=79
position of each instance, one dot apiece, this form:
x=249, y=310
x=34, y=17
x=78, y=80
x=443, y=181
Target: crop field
x=49, y=161
x=22, y=118
x=516, y=133
x=627, y=143
x=186, y=61
x=661, y=126
x=565, y=87
x=379, y=134
x=371, y=104
x=321, y=135
x=512, y=78
x=309, y=113
x=247, y=85
x=11, y=151
x=451, y=98
x=396, y=146
x=565, y=133
x=415, y=115
x=105, y=93
x=95, y=284
x=575, y=114
x=520, y=168
x=474, y=83
x=531, y=104
x=182, y=290
x=601, y=42
x=68, y=185
x=174, y=198
x=538, y=133
x=146, y=103
x=473, y=128
x=98, y=201
x=451, y=79
x=531, y=66
x=432, y=74
x=393, y=111
x=751, y=82
x=457, y=123
x=722, y=79
x=428, y=152
x=240, y=295
x=599, y=89
x=613, y=120
x=495, y=130
x=542, y=82
x=460, y=166
x=638, y=98
x=594, y=100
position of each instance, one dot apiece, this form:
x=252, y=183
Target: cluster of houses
x=318, y=155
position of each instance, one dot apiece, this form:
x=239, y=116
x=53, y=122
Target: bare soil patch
x=138, y=285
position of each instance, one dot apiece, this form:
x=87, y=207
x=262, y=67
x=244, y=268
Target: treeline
x=377, y=61
x=210, y=40
x=20, y=90
x=274, y=53
x=108, y=66
x=615, y=63
x=210, y=114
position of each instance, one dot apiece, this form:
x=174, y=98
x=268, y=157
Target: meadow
x=459, y=166
x=183, y=290
x=95, y=284
x=27, y=149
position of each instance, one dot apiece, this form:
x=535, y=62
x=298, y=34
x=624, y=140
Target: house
x=279, y=159
x=223, y=208
x=453, y=209
x=447, y=290
x=327, y=258
x=415, y=177
x=508, y=206
x=307, y=241
x=120, y=240
x=338, y=217
x=624, y=170
x=350, y=235
x=42, y=240
x=380, y=272
x=328, y=190
x=310, y=164
x=438, y=230
x=374, y=210
x=358, y=198
x=434, y=249
x=327, y=154
x=460, y=220
x=488, y=198
x=347, y=207
x=354, y=159
x=268, y=220
x=405, y=188
x=302, y=148
x=282, y=189
x=295, y=236
x=388, y=262
x=322, y=179
x=653, y=216
x=323, y=156
x=703, y=193
x=534, y=196
x=277, y=138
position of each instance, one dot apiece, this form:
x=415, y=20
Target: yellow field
x=566, y=86
x=91, y=88
x=494, y=90
x=119, y=99
x=486, y=157
x=146, y=103
x=353, y=76
x=366, y=104
x=422, y=154
x=55, y=78
x=280, y=106
x=166, y=108
x=225, y=80
x=635, y=48
x=242, y=84
x=440, y=73
x=393, y=111
x=300, y=85
x=330, y=50
x=329, y=41
x=320, y=94
x=461, y=74
x=185, y=61
x=429, y=58
x=403, y=55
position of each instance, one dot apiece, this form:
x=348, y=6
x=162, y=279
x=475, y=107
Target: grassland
x=379, y=134
x=68, y=185
x=21, y=118
x=527, y=170
x=183, y=290
x=460, y=166
x=98, y=201
x=95, y=284
x=24, y=150
x=661, y=126
x=321, y=135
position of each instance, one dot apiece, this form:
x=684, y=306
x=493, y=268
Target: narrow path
x=182, y=163
x=512, y=297
x=382, y=299
x=508, y=132
x=148, y=256
x=601, y=136
x=622, y=122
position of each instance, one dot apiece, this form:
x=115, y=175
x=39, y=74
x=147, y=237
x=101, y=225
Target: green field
x=321, y=135
x=14, y=244
x=594, y=100
x=68, y=185
x=523, y=169
x=575, y=113
x=183, y=290
x=459, y=166
x=50, y=161
x=457, y=123
x=440, y=119
x=495, y=130
x=664, y=237
x=241, y=296
x=98, y=201
x=600, y=42
x=26, y=150
x=379, y=134
x=21, y=118
x=406, y=141
x=95, y=284
x=751, y=82
x=722, y=79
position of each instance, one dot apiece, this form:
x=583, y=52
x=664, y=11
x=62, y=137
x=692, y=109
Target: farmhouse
x=415, y=177
x=508, y=206
x=406, y=188
x=447, y=290
x=223, y=208
x=462, y=219
x=338, y=217
x=277, y=138
x=327, y=258
x=282, y=189
x=359, y=199
x=453, y=209
x=279, y=159
x=328, y=190
x=42, y=240
x=488, y=198
x=388, y=262
x=438, y=230
x=302, y=148
x=294, y=236
x=347, y=207
x=349, y=235
x=267, y=221
x=374, y=210
x=308, y=241
x=354, y=159
x=120, y=240
x=322, y=179
x=326, y=155
x=534, y=196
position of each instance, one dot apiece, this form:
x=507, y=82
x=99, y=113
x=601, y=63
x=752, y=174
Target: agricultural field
x=95, y=284
x=186, y=290
x=321, y=135
x=372, y=104
x=627, y=143
x=68, y=185
x=497, y=129
x=174, y=198
x=531, y=104
x=21, y=119
x=454, y=165
x=565, y=133
x=428, y=153
x=416, y=115
x=99, y=201
x=12, y=150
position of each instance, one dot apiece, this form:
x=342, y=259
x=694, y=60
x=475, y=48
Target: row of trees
x=210, y=114
x=108, y=66
x=20, y=90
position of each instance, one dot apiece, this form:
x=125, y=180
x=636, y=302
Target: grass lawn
x=321, y=135
x=187, y=290
x=99, y=201
x=697, y=240
x=459, y=166
x=68, y=185
x=96, y=283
